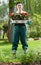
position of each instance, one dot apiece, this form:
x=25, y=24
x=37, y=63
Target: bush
x=31, y=57
x=33, y=34
x=35, y=29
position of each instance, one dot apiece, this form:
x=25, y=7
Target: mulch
x=11, y=63
x=18, y=63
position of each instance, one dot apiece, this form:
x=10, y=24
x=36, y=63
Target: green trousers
x=19, y=32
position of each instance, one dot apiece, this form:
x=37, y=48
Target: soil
x=18, y=63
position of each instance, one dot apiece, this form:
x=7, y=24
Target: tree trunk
x=11, y=9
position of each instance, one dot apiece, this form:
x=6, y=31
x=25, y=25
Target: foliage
x=31, y=57
x=3, y=10
x=34, y=52
x=35, y=28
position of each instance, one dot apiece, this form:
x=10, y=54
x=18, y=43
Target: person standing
x=19, y=32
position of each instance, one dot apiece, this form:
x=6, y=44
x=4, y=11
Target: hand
x=11, y=14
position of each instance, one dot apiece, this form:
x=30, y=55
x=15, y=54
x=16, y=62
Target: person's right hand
x=11, y=14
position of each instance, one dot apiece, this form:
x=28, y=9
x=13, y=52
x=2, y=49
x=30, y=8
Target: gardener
x=19, y=31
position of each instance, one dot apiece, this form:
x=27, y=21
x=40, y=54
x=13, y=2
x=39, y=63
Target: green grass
x=6, y=50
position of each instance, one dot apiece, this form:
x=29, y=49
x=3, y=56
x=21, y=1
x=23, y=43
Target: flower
x=19, y=16
x=25, y=13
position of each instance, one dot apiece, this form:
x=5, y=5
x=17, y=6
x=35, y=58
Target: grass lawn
x=6, y=50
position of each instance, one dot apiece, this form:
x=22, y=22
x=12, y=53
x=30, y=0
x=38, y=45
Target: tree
x=3, y=10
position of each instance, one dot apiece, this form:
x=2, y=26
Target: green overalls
x=19, y=32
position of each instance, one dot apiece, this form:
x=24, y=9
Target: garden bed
x=33, y=57
x=18, y=63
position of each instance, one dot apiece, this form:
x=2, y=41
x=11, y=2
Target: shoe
x=25, y=51
x=14, y=53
